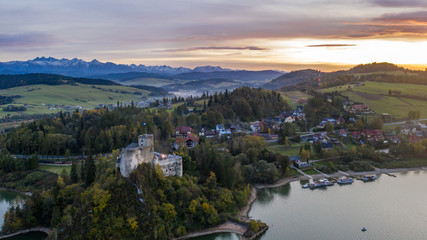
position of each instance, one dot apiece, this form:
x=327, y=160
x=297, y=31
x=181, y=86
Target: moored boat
x=321, y=183
x=345, y=180
x=369, y=178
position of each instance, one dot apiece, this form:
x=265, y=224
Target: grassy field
x=55, y=169
x=293, y=150
x=82, y=95
x=289, y=96
x=149, y=81
x=375, y=95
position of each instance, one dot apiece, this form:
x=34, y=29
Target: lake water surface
x=390, y=208
x=9, y=198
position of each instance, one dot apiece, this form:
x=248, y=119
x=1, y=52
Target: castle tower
x=135, y=154
x=146, y=140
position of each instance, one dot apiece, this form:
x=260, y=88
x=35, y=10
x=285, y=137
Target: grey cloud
x=332, y=45
x=252, y=48
x=420, y=17
x=26, y=40
x=400, y=3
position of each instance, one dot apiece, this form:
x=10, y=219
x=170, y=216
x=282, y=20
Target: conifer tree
x=74, y=175
x=90, y=170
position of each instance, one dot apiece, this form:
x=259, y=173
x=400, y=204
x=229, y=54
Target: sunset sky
x=244, y=34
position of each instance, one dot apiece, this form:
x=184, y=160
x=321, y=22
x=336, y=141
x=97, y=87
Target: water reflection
x=267, y=195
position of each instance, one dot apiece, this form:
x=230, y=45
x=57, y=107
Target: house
x=356, y=134
x=412, y=138
x=220, y=127
x=202, y=131
x=294, y=159
x=359, y=108
x=183, y=131
x=392, y=137
x=342, y=133
x=373, y=136
x=277, y=120
x=409, y=128
x=327, y=146
x=210, y=134
x=302, y=100
x=340, y=121
x=224, y=132
x=289, y=119
x=255, y=126
x=190, y=141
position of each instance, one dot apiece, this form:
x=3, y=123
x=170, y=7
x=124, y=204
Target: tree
x=304, y=154
x=329, y=127
x=73, y=173
x=287, y=142
x=166, y=130
x=359, y=124
x=377, y=123
x=90, y=170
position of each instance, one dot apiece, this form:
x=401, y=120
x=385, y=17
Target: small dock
x=324, y=174
x=389, y=174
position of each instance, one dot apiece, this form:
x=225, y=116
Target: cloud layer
x=182, y=32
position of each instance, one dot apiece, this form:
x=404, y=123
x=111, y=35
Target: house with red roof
x=183, y=131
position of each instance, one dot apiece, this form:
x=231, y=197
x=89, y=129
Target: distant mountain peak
x=210, y=69
x=79, y=68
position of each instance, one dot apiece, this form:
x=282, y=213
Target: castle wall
x=171, y=165
x=143, y=152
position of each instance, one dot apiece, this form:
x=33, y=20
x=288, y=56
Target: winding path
x=228, y=226
x=38, y=229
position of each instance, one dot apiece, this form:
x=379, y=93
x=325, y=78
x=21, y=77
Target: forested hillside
x=10, y=81
x=95, y=200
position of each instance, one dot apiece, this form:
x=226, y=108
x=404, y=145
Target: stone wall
x=143, y=152
x=171, y=165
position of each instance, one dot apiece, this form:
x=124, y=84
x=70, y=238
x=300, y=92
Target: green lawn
x=293, y=150
x=69, y=95
x=55, y=169
x=375, y=95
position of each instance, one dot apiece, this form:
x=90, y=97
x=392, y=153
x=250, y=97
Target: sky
x=241, y=34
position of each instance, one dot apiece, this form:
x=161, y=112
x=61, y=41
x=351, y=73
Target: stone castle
x=143, y=152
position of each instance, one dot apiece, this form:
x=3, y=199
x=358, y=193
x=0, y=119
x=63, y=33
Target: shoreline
x=15, y=190
x=37, y=229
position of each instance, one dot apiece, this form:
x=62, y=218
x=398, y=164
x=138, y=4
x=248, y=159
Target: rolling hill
x=50, y=93
x=378, y=72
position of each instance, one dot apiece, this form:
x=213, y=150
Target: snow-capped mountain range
x=80, y=68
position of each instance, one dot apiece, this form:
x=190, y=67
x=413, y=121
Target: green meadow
x=375, y=94
x=38, y=96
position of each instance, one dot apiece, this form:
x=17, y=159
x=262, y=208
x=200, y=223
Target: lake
x=8, y=198
x=389, y=208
